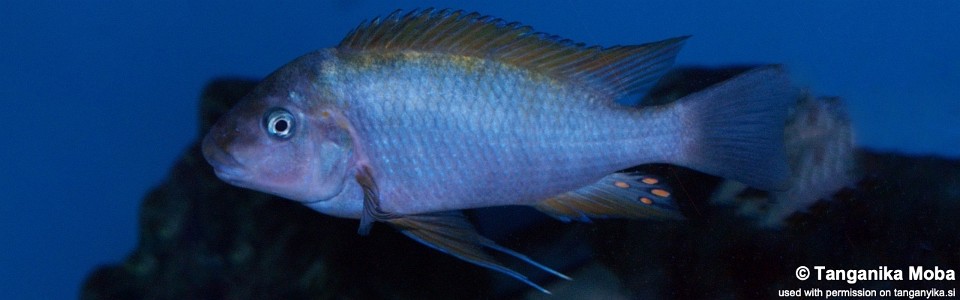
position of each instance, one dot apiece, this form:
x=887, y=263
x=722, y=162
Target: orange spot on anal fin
x=660, y=193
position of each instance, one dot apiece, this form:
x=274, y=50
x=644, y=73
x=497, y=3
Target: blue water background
x=100, y=97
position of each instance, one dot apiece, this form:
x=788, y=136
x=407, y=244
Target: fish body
x=446, y=132
x=414, y=117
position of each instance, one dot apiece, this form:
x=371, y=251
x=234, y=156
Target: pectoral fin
x=619, y=195
x=449, y=232
x=371, y=202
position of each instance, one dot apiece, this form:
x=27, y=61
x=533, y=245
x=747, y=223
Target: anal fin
x=632, y=195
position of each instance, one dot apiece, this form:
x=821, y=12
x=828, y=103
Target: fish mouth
x=224, y=164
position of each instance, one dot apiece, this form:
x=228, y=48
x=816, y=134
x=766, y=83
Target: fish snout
x=210, y=149
x=216, y=152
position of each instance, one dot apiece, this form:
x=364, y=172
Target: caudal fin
x=737, y=128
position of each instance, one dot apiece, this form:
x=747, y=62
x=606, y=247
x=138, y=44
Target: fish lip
x=231, y=175
x=224, y=164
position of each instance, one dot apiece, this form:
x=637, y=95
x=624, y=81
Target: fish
x=417, y=116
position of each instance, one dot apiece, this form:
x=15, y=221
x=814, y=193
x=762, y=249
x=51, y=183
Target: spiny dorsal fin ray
x=619, y=195
x=618, y=71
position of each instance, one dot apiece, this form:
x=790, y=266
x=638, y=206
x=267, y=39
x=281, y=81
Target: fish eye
x=279, y=123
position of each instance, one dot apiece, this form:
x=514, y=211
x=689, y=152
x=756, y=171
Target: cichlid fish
x=415, y=117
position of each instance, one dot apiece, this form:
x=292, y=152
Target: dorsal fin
x=619, y=71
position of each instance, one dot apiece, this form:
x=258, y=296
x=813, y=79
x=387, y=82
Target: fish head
x=280, y=140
